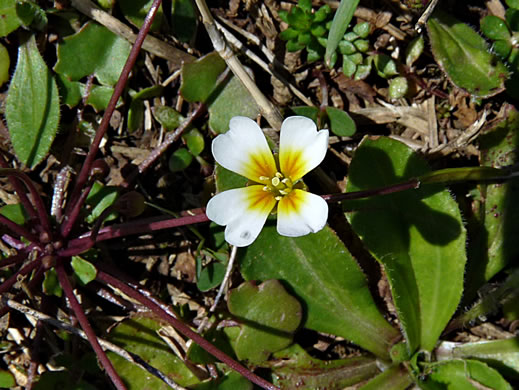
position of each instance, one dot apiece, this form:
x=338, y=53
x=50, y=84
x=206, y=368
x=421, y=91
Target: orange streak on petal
x=260, y=164
x=259, y=201
x=291, y=203
x=292, y=164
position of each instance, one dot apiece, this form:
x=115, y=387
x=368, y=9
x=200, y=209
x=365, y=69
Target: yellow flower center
x=279, y=185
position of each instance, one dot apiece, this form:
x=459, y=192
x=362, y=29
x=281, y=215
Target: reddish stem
x=103, y=127
x=85, y=325
x=408, y=185
x=185, y=330
x=20, y=230
x=71, y=217
x=21, y=272
x=11, y=260
x=148, y=225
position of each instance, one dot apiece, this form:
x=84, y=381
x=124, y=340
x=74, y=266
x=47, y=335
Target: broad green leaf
x=83, y=269
x=199, y=77
x=512, y=3
x=51, y=284
x=184, y=20
x=8, y=19
x=211, y=276
x=4, y=65
x=464, y=56
x=268, y=317
x=293, y=366
x=15, y=212
x=31, y=15
x=227, y=180
x=393, y=378
x=500, y=354
x=71, y=93
x=495, y=28
x=136, y=10
x=341, y=123
x=309, y=112
x=7, y=380
x=463, y=374
x=230, y=101
x=493, y=238
x=326, y=278
x=417, y=235
x=32, y=106
x=340, y=23
x=139, y=335
x=180, y=160
x=99, y=198
x=230, y=381
x=92, y=50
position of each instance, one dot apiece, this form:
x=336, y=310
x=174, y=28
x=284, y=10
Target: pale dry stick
x=249, y=53
x=131, y=357
x=151, y=44
x=425, y=16
x=268, y=110
x=432, y=122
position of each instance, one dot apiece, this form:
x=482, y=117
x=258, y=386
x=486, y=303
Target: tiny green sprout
x=306, y=29
x=353, y=47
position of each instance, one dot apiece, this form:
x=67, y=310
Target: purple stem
x=11, y=260
x=408, y=185
x=71, y=217
x=20, y=230
x=38, y=275
x=20, y=190
x=85, y=325
x=21, y=272
x=185, y=330
x=103, y=127
x=148, y=225
x=38, y=202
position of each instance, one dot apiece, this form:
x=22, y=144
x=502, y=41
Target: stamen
x=285, y=181
x=279, y=175
x=275, y=181
x=266, y=188
x=278, y=198
x=263, y=178
x=284, y=192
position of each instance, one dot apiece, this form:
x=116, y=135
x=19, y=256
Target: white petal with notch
x=300, y=213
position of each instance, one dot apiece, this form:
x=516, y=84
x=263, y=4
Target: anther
x=263, y=178
x=283, y=192
x=279, y=175
x=266, y=188
x=275, y=181
x=278, y=198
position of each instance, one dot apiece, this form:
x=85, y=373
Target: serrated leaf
x=32, y=106
x=464, y=374
x=139, y=335
x=199, y=78
x=83, y=269
x=464, y=56
x=230, y=101
x=92, y=50
x=268, y=315
x=493, y=239
x=417, y=235
x=8, y=19
x=341, y=123
x=340, y=23
x=326, y=278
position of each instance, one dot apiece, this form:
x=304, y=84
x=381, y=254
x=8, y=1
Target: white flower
x=244, y=150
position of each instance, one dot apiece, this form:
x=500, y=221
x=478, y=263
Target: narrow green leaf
x=184, y=20
x=8, y=19
x=4, y=64
x=417, y=235
x=463, y=374
x=326, y=278
x=92, y=50
x=99, y=198
x=269, y=316
x=83, y=269
x=340, y=23
x=32, y=106
x=464, y=56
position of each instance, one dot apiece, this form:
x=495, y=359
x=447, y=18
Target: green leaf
x=231, y=101
x=135, y=115
x=51, y=284
x=341, y=123
x=502, y=48
x=398, y=87
x=195, y=141
x=414, y=50
x=8, y=19
x=362, y=29
x=184, y=20
x=139, y=335
x=168, y=117
x=493, y=237
x=4, y=64
x=180, y=160
x=15, y=212
x=417, y=235
x=100, y=198
x=309, y=112
x=464, y=56
x=71, y=93
x=289, y=34
x=464, y=374
x=31, y=15
x=495, y=28
x=136, y=10
x=227, y=180
x=7, y=380
x=322, y=13
x=386, y=66
x=211, y=276
x=393, y=378
x=340, y=23
x=512, y=18
x=199, y=77
x=293, y=366
x=230, y=381
x=92, y=50
x=512, y=3
x=83, y=269
x=269, y=316
x=32, y=106
x=326, y=278
x=503, y=354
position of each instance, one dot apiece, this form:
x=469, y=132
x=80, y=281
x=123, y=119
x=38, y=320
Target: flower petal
x=244, y=150
x=300, y=213
x=301, y=147
x=243, y=210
